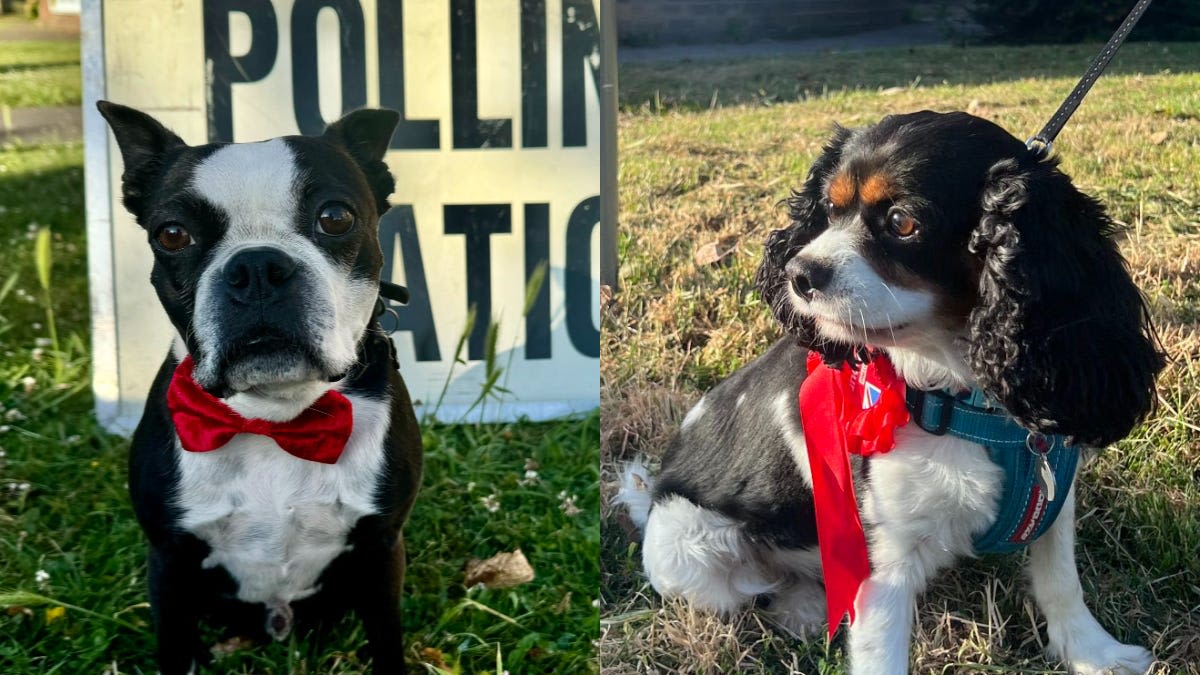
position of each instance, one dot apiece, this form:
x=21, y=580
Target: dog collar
x=1026, y=510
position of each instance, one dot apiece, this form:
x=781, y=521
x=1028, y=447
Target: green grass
x=38, y=73
x=700, y=85
x=698, y=168
x=74, y=522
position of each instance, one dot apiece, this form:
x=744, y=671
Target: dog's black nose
x=808, y=277
x=258, y=273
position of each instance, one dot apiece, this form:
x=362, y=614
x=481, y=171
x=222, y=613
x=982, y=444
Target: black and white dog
x=940, y=240
x=279, y=455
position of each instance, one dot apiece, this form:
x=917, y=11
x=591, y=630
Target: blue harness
x=1033, y=464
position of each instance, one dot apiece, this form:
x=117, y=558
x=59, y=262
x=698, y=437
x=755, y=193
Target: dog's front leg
x=879, y=638
x=377, y=602
x=1074, y=634
x=176, y=614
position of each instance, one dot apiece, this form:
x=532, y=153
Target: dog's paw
x=1113, y=658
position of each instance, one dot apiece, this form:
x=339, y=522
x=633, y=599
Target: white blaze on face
x=257, y=187
x=858, y=302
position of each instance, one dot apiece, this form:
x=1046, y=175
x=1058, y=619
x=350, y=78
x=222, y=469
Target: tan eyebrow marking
x=841, y=190
x=875, y=189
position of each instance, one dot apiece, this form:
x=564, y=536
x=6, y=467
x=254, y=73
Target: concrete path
x=37, y=125
x=41, y=125
x=908, y=35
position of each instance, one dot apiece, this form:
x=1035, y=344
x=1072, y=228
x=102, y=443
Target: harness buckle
x=945, y=415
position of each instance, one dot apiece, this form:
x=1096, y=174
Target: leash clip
x=1039, y=146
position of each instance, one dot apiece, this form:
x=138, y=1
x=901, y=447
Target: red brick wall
x=651, y=22
x=65, y=23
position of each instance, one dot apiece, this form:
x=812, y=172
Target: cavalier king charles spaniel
x=973, y=264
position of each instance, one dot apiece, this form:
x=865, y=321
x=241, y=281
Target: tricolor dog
x=961, y=327
x=278, y=455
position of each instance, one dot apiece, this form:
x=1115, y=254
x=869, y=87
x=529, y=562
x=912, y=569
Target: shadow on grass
x=696, y=85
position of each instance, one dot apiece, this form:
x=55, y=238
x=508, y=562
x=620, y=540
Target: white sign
x=496, y=160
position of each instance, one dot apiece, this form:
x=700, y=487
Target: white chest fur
x=274, y=521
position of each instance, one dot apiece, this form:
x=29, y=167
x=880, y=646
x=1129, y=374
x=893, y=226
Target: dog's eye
x=335, y=219
x=173, y=237
x=901, y=224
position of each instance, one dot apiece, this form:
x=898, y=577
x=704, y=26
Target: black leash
x=1042, y=143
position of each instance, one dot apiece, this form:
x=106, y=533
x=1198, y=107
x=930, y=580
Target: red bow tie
x=204, y=422
x=843, y=411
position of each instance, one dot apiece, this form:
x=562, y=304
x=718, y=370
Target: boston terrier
x=278, y=455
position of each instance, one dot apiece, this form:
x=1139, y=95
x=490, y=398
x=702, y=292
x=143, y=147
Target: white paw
x=1113, y=658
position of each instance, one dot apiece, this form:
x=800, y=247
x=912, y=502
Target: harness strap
x=1024, y=513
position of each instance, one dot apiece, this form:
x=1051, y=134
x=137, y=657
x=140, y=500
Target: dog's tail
x=637, y=492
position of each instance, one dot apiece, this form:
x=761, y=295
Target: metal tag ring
x=1037, y=443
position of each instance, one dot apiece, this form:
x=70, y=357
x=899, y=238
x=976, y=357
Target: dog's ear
x=143, y=142
x=1061, y=336
x=809, y=218
x=365, y=135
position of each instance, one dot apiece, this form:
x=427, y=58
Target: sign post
x=496, y=160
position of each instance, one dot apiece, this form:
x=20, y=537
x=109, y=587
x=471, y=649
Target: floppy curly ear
x=809, y=219
x=1061, y=336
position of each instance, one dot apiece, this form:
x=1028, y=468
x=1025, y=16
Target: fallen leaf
x=1158, y=138
x=503, y=570
x=233, y=644
x=564, y=604
x=713, y=252
x=434, y=657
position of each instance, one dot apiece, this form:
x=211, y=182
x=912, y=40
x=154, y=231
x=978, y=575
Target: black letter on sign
x=478, y=222
x=580, y=52
x=410, y=134
x=417, y=316
x=306, y=91
x=583, y=333
x=537, y=252
x=533, y=73
x=469, y=130
x=226, y=68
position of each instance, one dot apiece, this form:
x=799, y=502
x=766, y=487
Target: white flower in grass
x=29, y=383
x=596, y=603
x=42, y=577
x=42, y=342
x=531, y=478
x=37, y=354
x=4, y=428
x=491, y=503
x=568, y=504
x=471, y=486
x=15, y=415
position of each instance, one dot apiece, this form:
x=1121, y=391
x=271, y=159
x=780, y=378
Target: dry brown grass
x=676, y=327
